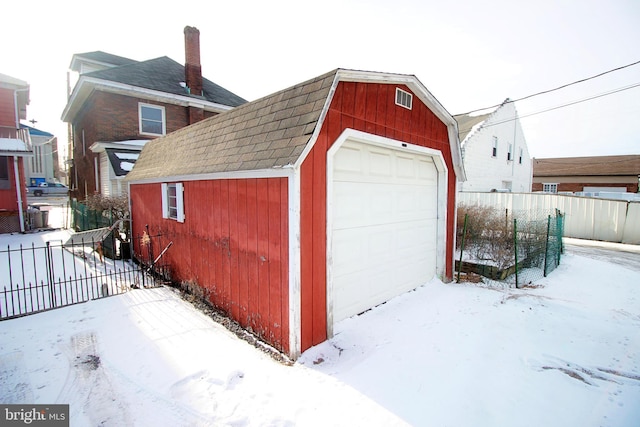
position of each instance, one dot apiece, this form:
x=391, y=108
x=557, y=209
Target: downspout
x=18, y=193
x=15, y=160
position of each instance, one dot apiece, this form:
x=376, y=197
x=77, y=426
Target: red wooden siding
x=234, y=243
x=371, y=108
x=8, y=197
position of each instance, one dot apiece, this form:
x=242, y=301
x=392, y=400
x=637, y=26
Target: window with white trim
x=520, y=158
x=510, y=153
x=494, y=150
x=152, y=119
x=404, y=99
x=549, y=188
x=173, y=201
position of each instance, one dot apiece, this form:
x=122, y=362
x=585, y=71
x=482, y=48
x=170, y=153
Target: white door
x=384, y=211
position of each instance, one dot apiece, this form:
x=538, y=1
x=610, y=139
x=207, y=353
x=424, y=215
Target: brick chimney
x=192, y=67
x=193, y=70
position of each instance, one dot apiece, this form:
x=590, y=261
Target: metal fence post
x=50, y=275
x=515, y=248
x=464, y=233
x=546, y=246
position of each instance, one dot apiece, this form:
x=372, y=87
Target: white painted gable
x=486, y=172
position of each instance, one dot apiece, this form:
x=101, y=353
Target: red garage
x=308, y=206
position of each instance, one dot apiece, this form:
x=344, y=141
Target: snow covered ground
x=564, y=353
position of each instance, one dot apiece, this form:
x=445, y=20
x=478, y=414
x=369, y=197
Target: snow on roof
x=13, y=144
x=123, y=161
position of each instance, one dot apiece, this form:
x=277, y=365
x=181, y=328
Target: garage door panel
x=380, y=165
x=348, y=161
x=384, y=225
x=366, y=204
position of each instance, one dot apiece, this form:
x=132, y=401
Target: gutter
x=79, y=96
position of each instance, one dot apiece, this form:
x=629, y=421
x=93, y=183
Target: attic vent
x=404, y=99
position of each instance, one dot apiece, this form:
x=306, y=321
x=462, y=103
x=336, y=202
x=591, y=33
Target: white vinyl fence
x=585, y=217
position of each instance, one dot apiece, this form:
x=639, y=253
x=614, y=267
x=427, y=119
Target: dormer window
x=152, y=119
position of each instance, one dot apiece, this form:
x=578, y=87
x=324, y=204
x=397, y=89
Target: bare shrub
x=489, y=234
x=118, y=206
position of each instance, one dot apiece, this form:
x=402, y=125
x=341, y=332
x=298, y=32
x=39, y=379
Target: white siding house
x=494, y=151
x=115, y=160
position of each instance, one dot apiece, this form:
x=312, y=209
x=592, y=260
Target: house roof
x=587, y=166
x=165, y=75
x=14, y=147
x=122, y=161
x=35, y=132
x=12, y=81
x=467, y=122
x=271, y=132
x=159, y=79
x=99, y=57
x=268, y=133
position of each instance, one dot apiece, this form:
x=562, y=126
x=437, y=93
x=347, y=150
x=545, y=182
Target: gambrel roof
x=268, y=133
x=271, y=132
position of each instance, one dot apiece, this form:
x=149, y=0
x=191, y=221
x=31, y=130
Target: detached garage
x=308, y=206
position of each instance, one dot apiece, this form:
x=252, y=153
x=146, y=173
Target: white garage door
x=384, y=225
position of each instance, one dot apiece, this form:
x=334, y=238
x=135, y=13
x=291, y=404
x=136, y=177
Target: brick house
x=15, y=145
x=587, y=174
x=118, y=104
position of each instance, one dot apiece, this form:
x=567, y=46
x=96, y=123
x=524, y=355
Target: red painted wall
x=370, y=108
x=8, y=197
x=234, y=243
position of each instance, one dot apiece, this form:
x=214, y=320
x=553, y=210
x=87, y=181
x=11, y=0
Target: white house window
x=510, y=153
x=520, y=158
x=152, y=119
x=404, y=99
x=494, y=150
x=550, y=188
x=173, y=201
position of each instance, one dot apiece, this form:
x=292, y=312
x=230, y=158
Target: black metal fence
x=58, y=274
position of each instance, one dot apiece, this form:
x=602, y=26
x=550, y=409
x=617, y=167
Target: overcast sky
x=469, y=54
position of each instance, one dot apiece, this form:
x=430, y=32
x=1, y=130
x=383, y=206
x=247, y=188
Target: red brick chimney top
x=192, y=67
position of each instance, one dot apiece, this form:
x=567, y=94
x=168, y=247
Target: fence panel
x=632, y=226
x=585, y=217
x=40, y=278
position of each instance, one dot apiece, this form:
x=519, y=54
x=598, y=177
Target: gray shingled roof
x=164, y=74
x=268, y=133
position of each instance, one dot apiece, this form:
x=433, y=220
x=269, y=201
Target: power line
x=556, y=107
x=557, y=88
